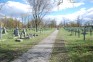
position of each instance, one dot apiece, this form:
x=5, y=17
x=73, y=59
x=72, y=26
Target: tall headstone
x=75, y=32
x=4, y=30
x=1, y=32
x=78, y=33
x=24, y=32
x=84, y=33
x=90, y=32
x=16, y=32
x=21, y=35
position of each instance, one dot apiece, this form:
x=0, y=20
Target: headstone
x=75, y=32
x=78, y=33
x=21, y=36
x=4, y=30
x=0, y=32
x=71, y=30
x=90, y=32
x=16, y=32
x=92, y=27
x=84, y=33
x=24, y=32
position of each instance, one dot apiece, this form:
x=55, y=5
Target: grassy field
x=9, y=49
x=77, y=50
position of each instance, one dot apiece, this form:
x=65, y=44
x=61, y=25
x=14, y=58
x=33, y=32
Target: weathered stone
x=84, y=33
x=24, y=32
x=4, y=30
x=16, y=32
x=35, y=35
x=90, y=32
x=27, y=37
x=18, y=40
x=0, y=32
x=78, y=33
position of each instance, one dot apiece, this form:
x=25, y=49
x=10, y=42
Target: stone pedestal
x=4, y=30
x=16, y=32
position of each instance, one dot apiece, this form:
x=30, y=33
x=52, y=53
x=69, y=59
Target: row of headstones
x=23, y=34
x=80, y=31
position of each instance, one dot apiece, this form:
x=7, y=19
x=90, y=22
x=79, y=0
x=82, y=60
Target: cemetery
x=79, y=47
x=46, y=31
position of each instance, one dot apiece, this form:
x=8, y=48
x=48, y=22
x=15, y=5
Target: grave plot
x=80, y=31
x=11, y=45
x=76, y=48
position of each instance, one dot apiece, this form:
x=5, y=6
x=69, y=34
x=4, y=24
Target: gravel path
x=40, y=52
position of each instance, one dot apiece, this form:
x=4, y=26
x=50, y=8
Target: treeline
x=13, y=23
x=78, y=22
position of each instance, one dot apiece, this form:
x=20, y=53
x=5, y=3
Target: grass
x=59, y=50
x=77, y=50
x=9, y=49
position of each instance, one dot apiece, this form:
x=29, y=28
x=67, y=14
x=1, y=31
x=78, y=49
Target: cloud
x=66, y=5
x=86, y=14
x=58, y=18
x=15, y=8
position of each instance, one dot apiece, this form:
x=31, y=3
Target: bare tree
x=61, y=1
x=39, y=9
x=79, y=21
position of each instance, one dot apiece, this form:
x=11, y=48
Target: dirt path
x=40, y=52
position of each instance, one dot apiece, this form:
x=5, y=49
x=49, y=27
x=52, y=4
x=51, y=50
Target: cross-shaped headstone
x=75, y=31
x=78, y=33
x=71, y=30
x=84, y=33
x=90, y=32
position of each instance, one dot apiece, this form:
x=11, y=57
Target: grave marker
x=16, y=32
x=90, y=32
x=78, y=33
x=1, y=32
x=84, y=33
x=4, y=30
x=75, y=32
x=24, y=32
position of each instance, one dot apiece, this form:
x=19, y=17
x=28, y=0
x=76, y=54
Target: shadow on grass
x=80, y=51
x=8, y=55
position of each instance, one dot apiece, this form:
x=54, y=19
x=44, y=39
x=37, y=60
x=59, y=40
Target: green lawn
x=9, y=49
x=77, y=49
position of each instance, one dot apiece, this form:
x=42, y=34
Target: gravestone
x=23, y=34
x=90, y=32
x=84, y=33
x=92, y=27
x=75, y=32
x=4, y=30
x=71, y=30
x=0, y=32
x=16, y=32
x=78, y=33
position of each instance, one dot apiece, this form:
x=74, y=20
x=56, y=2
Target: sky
x=66, y=10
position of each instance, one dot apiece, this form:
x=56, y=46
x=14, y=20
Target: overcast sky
x=83, y=8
